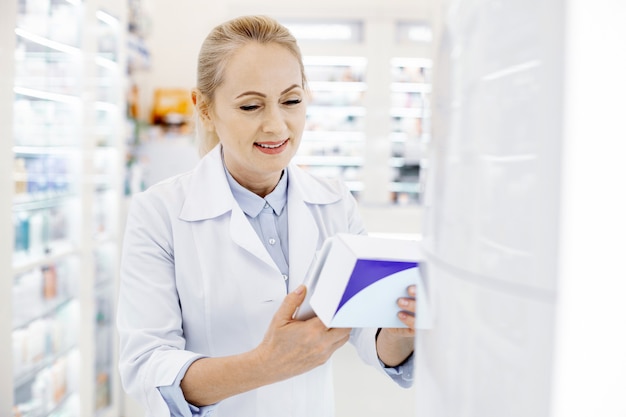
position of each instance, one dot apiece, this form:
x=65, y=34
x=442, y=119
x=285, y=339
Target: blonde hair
x=221, y=43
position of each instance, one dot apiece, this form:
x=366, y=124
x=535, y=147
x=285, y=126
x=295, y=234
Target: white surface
x=592, y=313
x=522, y=213
x=491, y=210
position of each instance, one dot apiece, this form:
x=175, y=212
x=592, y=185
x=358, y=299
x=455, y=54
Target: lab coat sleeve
x=364, y=340
x=149, y=319
x=401, y=374
x=176, y=402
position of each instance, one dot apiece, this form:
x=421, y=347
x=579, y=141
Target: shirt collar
x=251, y=203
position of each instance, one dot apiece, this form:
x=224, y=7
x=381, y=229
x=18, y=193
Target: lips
x=271, y=145
x=271, y=148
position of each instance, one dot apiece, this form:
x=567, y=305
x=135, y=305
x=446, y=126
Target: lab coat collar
x=209, y=195
x=309, y=188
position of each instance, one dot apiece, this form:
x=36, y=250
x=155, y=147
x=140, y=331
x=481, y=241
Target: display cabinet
x=62, y=122
x=410, y=124
x=369, y=117
x=334, y=137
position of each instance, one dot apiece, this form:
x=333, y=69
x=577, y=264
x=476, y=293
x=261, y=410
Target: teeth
x=262, y=145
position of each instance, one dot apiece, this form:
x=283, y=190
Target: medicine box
x=360, y=279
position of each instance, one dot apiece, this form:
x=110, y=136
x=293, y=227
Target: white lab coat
x=197, y=281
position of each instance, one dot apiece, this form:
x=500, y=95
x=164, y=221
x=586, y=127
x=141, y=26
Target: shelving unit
x=410, y=124
x=369, y=117
x=334, y=136
x=63, y=108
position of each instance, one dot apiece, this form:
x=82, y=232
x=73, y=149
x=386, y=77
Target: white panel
x=491, y=225
x=489, y=351
x=590, y=375
x=496, y=139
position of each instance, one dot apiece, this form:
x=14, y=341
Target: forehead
x=257, y=66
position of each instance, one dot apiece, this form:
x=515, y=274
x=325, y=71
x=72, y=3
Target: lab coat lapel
x=242, y=233
x=303, y=240
x=306, y=195
x=209, y=196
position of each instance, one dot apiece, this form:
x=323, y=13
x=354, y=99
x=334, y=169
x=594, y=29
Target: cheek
x=233, y=128
x=298, y=120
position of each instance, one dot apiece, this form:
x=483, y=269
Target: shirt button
x=272, y=241
x=285, y=277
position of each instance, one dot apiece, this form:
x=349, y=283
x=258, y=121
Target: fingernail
x=403, y=302
x=300, y=289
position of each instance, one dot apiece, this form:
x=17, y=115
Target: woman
x=213, y=259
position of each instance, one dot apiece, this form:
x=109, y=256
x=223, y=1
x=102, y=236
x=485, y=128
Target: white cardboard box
x=356, y=281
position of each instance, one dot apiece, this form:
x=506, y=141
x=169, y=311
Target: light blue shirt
x=268, y=217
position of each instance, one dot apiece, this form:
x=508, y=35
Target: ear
x=202, y=109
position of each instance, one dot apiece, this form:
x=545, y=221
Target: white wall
x=590, y=365
x=524, y=219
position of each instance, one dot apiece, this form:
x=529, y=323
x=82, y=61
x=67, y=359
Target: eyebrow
x=256, y=93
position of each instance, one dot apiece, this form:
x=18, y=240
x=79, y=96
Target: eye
x=293, y=102
x=249, y=107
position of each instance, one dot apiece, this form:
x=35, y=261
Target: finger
x=412, y=290
x=407, y=304
x=408, y=319
x=289, y=305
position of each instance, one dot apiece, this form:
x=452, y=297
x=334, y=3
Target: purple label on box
x=367, y=271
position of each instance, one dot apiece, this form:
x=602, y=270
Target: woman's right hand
x=291, y=347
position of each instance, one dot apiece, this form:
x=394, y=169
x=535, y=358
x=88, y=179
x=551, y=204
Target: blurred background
x=492, y=132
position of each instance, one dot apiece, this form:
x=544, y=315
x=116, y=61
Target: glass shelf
x=410, y=125
x=23, y=261
x=409, y=113
x=333, y=136
x=44, y=290
x=43, y=94
x=31, y=42
x=341, y=161
x=399, y=87
x=338, y=86
x=43, y=342
x=52, y=389
x=337, y=111
x=66, y=139
x=55, y=20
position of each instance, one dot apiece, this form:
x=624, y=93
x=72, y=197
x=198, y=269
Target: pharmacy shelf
x=62, y=104
x=410, y=124
x=334, y=137
x=369, y=102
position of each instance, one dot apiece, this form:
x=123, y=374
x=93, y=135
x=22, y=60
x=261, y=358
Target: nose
x=274, y=120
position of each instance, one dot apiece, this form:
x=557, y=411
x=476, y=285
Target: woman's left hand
x=406, y=314
x=394, y=345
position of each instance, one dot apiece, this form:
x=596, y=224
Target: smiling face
x=259, y=112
